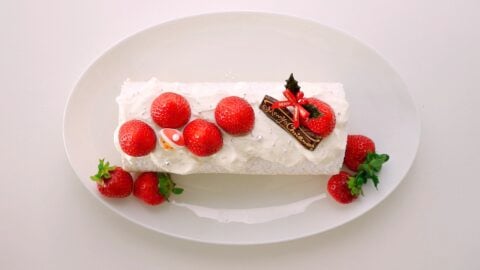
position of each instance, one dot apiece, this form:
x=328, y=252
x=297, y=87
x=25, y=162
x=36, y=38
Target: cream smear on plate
x=252, y=215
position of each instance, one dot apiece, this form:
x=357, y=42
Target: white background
x=50, y=221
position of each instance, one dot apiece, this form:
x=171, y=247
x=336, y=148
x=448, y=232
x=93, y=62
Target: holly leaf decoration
x=166, y=186
x=367, y=170
x=103, y=173
x=292, y=85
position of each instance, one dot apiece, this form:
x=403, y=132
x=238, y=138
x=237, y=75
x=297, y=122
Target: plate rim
x=104, y=53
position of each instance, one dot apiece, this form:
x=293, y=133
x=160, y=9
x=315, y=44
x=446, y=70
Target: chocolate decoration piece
x=284, y=118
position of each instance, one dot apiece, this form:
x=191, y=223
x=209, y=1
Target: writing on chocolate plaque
x=284, y=118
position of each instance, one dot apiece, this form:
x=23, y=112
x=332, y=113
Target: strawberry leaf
x=375, y=180
x=166, y=186
x=292, y=85
x=367, y=170
x=314, y=112
x=103, y=173
x=354, y=186
x=177, y=191
x=376, y=161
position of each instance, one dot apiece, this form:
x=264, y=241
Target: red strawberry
x=235, y=115
x=358, y=146
x=338, y=188
x=322, y=117
x=170, y=110
x=360, y=156
x=137, y=138
x=202, y=138
x=112, y=181
x=154, y=188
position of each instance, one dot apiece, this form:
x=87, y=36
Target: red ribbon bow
x=296, y=101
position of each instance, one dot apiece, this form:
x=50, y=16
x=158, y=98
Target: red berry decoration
x=202, y=138
x=170, y=110
x=154, y=188
x=322, y=117
x=137, y=138
x=235, y=115
x=337, y=187
x=358, y=146
x=112, y=181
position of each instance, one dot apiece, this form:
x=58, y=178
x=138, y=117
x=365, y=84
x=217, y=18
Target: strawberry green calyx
x=166, y=186
x=292, y=85
x=314, y=112
x=367, y=170
x=103, y=173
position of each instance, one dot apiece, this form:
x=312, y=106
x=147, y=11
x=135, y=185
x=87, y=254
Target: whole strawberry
x=322, y=117
x=338, y=188
x=170, y=110
x=360, y=156
x=137, y=138
x=202, y=138
x=235, y=115
x=358, y=146
x=154, y=188
x=113, y=181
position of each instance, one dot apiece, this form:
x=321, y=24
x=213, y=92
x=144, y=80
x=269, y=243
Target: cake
x=268, y=147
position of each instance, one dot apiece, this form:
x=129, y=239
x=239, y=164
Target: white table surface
x=50, y=221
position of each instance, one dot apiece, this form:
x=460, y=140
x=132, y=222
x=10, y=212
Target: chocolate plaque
x=284, y=118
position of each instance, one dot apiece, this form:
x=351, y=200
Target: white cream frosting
x=268, y=149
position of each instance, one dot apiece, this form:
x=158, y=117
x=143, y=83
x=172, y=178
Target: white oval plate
x=244, y=46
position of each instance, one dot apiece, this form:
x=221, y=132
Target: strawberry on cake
x=242, y=127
